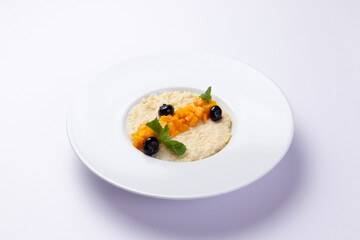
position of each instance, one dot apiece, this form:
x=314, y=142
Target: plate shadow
x=209, y=218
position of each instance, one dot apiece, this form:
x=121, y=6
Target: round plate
x=262, y=125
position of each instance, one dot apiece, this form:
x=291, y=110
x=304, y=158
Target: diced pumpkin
x=212, y=103
x=182, y=119
x=180, y=112
x=205, y=117
x=137, y=141
x=164, y=120
x=199, y=101
x=193, y=121
x=189, y=108
x=183, y=127
x=176, y=122
x=174, y=133
x=189, y=116
x=171, y=127
x=199, y=112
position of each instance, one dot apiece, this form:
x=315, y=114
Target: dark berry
x=166, y=109
x=150, y=146
x=215, y=113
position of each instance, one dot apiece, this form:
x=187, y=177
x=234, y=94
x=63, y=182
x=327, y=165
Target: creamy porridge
x=201, y=140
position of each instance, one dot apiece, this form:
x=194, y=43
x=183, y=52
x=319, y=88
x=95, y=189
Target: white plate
x=262, y=125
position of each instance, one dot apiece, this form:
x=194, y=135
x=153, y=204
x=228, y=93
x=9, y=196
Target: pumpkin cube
x=183, y=127
x=199, y=112
x=193, y=121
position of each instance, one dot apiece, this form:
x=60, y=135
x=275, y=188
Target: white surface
x=49, y=50
x=262, y=125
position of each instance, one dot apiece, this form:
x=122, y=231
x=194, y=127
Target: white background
x=49, y=50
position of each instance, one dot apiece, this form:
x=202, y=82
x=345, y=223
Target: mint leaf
x=206, y=96
x=155, y=126
x=176, y=147
x=164, y=135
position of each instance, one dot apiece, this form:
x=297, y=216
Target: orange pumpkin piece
x=206, y=109
x=164, y=120
x=199, y=102
x=189, y=116
x=205, y=117
x=193, y=121
x=137, y=140
x=171, y=127
x=183, y=127
x=189, y=108
x=175, y=119
x=180, y=112
x=199, y=111
x=209, y=104
x=173, y=124
x=175, y=133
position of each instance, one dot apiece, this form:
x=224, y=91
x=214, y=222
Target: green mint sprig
x=163, y=136
x=206, y=96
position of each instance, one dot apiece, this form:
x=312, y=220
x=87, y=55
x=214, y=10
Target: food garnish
x=150, y=146
x=162, y=134
x=172, y=123
x=215, y=113
x=166, y=109
x=206, y=96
